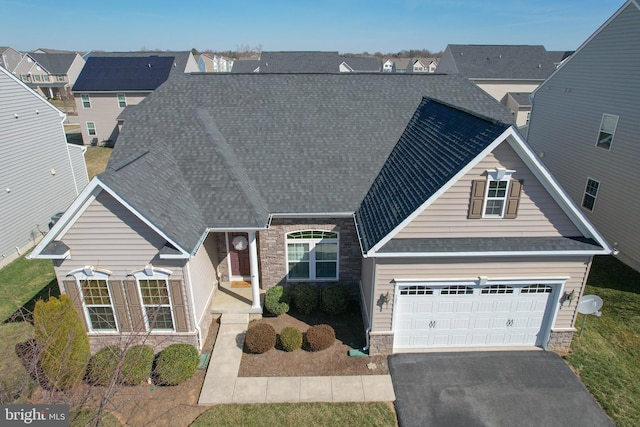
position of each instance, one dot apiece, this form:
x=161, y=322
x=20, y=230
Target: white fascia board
x=554, y=189
x=586, y=42
x=69, y=217
x=181, y=256
x=373, y=251
x=65, y=255
x=490, y=254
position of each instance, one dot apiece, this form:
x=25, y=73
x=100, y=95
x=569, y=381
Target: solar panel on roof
x=124, y=73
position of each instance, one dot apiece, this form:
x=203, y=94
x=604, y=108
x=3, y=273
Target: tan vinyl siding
x=538, y=214
x=387, y=269
x=600, y=78
x=203, y=275
x=109, y=236
x=103, y=112
x=35, y=169
x=498, y=89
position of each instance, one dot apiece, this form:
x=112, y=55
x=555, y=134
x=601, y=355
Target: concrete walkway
x=222, y=384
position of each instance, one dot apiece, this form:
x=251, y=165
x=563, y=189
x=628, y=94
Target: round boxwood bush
x=103, y=365
x=260, y=338
x=290, y=339
x=305, y=298
x=277, y=299
x=319, y=337
x=136, y=364
x=335, y=299
x=176, y=364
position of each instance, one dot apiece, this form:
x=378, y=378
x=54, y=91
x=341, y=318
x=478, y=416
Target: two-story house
x=584, y=126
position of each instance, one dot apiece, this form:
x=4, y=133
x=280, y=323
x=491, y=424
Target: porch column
x=253, y=263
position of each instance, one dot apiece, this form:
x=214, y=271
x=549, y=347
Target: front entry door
x=239, y=255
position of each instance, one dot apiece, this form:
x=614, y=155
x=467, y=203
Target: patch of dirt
x=332, y=361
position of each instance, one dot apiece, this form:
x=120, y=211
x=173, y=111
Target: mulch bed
x=332, y=361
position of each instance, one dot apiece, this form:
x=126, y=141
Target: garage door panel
x=470, y=319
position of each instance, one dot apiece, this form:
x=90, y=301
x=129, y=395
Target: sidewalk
x=222, y=384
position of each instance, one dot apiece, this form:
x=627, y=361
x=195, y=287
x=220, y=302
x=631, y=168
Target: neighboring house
x=244, y=66
x=41, y=174
x=500, y=69
x=359, y=64
x=299, y=62
x=211, y=63
x=429, y=207
x=53, y=74
x=9, y=58
x=559, y=56
x=520, y=105
x=388, y=66
x=584, y=125
x=112, y=81
x=409, y=65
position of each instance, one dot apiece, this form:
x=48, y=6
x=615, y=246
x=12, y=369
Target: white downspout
x=193, y=307
x=253, y=263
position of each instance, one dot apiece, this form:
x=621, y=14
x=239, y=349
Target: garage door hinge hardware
x=510, y=322
x=432, y=324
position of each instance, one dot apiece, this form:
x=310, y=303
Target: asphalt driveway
x=510, y=388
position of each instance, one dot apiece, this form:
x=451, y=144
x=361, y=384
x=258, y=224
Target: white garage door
x=471, y=316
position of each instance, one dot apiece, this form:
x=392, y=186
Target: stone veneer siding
x=157, y=342
x=560, y=341
x=380, y=344
x=272, y=248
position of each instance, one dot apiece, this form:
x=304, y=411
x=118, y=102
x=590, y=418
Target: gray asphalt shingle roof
x=299, y=62
x=438, y=142
x=54, y=63
x=227, y=150
x=522, y=98
x=489, y=244
x=362, y=63
x=497, y=61
x=245, y=65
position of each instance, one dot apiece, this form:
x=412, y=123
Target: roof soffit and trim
x=622, y=8
x=545, y=178
x=77, y=208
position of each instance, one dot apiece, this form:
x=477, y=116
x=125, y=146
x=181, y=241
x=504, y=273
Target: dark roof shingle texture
x=232, y=149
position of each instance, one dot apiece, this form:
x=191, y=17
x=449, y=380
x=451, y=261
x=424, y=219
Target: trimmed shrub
x=103, y=365
x=277, y=300
x=290, y=339
x=61, y=336
x=136, y=364
x=305, y=297
x=260, y=338
x=335, y=299
x=319, y=337
x=176, y=364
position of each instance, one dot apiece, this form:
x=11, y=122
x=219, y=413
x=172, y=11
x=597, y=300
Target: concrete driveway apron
x=492, y=388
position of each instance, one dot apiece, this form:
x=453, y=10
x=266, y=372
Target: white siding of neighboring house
x=603, y=76
x=388, y=269
x=74, y=70
x=37, y=173
x=203, y=277
x=538, y=214
x=103, y=112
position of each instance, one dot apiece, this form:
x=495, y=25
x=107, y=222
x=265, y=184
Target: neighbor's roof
x=55, y=63
x=522, y=62
x=123, y=73
x=245, y=66
x=439, y=141
x=226, y=151
x=522, y=98
x=362, y=63
x=299, y=62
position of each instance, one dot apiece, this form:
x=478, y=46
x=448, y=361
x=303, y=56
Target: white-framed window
x=122, y=100
x=45, y=77
x=312, y=255
x=91, y=128
x=97, y=301
x=24, y=77
x=590, y=194
x=60, y=77
x=495, y=197
x=36, y=77
x=608, y=126
x=153, y=286
x=86, y=101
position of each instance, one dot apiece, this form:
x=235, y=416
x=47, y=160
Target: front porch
x=236, y=298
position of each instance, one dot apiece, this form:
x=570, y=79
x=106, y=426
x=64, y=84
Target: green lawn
x=299, y=414
x=607, y=355
x=21, y=282
x=96, y=159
